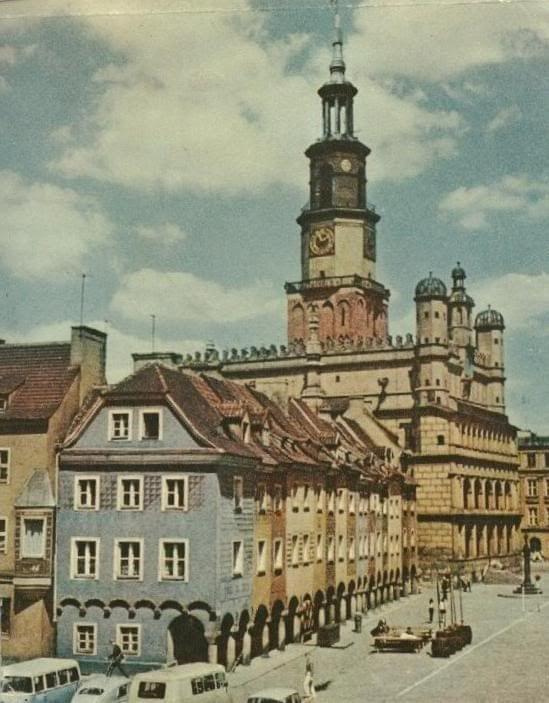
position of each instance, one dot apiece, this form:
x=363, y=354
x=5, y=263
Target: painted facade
x=534, y=494
x=194, y=515
x=41, y=387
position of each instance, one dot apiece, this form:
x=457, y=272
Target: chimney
x=89, y=352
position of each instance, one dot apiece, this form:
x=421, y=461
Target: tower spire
x=337, y=64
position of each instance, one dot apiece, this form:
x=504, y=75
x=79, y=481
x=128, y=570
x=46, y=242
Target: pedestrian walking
x=442, y=613
x=431, y=609
x=309, y=687
x=115, y=660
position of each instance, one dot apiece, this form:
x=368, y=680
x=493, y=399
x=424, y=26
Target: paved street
x=505, y=663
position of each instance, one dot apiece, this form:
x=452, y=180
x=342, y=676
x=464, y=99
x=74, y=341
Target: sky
x=156, y=146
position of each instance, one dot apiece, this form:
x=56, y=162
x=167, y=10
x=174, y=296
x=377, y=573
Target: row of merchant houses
x=189, y=517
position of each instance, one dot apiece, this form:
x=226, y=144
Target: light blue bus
x=40, y=681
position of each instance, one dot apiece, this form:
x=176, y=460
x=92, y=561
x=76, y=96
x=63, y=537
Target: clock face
x=321, y=242
x=346, y=165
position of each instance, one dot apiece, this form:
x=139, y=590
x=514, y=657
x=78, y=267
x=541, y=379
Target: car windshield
x=17, y=684
x=91, y=691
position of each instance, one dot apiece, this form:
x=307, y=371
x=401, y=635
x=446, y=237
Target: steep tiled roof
x=36, y=378
x=36, y=492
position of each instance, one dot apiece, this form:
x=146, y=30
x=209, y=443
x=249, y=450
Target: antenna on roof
x=82, y=294
x=153, y=331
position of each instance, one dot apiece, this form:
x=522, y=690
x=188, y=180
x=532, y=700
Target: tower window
x=337, y=379
x=440, y=439
x=497, y=398
x=426, y=315
x=343, y=316
x=496, y=341
x=437, y=340
x=437, y=382
x=437, y=314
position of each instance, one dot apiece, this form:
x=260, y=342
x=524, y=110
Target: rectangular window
x=5, y=607
x=278, y=555
x=150, y=424
x=130, y=493
x=352, y=502
x=532, y=488
x=261, y=556
x=306, y=549
x=33, y=544
x=128, y=638
x=352, y=549
x=341, y=548
x=120, y=425
x=129, y=559
x=174, y=560
x=84, y=558
x=532, y=516
x=341, y=500
x=295, y=550
x=85, y=639
x=238, y=492
x=306, y=498
x=86, y=493
x=238, y=558
x=261, y=498
x=331, y=501
x=531, y=460
x=546, y=458
x=4, y=465
x=319, y=499
x=331, y=549
x=319, y=547
x=295, y=491
x=278, y=498
x=3, y=534
x=174, y=492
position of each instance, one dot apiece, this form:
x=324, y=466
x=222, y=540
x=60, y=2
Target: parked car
x=99, y=688
x=201, y=683
x=276, y=695
x=43, y=680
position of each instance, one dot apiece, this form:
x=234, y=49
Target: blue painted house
x=154, y=526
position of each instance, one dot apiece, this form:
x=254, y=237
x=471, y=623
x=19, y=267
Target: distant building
x=534, y=476
x=198, y=521
x=440, y=391
x=41, y=388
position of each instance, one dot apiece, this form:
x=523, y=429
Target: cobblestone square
x=506, y=661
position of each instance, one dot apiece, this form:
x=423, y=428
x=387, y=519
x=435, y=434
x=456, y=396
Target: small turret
x=431, y=311
x=489, y=326
x=460, y=310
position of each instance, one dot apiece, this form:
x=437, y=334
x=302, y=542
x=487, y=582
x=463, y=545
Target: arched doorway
x=189, y=643
x=535, y=544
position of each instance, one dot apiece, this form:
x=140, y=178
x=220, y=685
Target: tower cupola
x=489, y=326
x=460, y=309
x=431, y=311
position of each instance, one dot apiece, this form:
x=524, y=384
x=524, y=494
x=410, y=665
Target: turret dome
x=489, y=320
x=430, y=287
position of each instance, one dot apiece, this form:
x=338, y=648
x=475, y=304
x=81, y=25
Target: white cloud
x=523, y=299
x=504, y=118
x=164, y=234
x=47, y=229
x=7, y=54
x=120, y=344
x=205, y=102
x=519, y=194
x=441, y=40
x=179, y=296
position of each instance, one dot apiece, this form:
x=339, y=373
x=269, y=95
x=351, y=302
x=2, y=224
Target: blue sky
x=158, y=147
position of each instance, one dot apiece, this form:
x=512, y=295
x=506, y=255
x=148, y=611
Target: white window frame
x=532, y=488
x=352, y=503
x=262, y=502
x=306, y=548
x=75, y=639
x=162, y=576
x=295, y=550
x=237, y=565
x=116, y=559
x=6, y=465
x=164, y=500
x=341, y=548
x=306, y=497
x=4, y=533
x=119, y=492
x=331, y=549
x=532, y=517
x=278, y=499
x=319, y=495
x=278, y=555
x=25, y=518
x=331, y=501
x=261, y=557
x=132, y=626
x=87, y=477
x=120, y=411
x=351, y=551
x=74, y=559
x=146, y=411
x=238, y=495
x=319, y=547
x=295, y=497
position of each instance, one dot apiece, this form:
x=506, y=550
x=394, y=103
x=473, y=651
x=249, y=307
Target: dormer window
x=150, y=424
x=120, y=425
x=246, y=432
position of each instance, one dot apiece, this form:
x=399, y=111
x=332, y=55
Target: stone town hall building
x=440, y=391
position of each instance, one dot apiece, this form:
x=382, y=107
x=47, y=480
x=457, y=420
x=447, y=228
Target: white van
x=99, y=688
x=202, y=683
x=40, y=681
